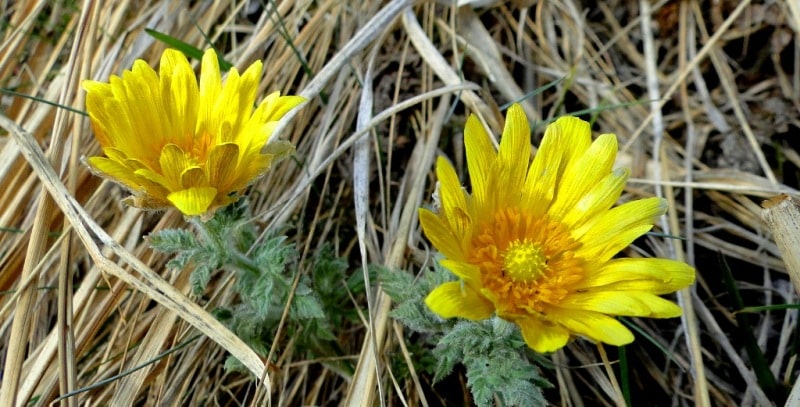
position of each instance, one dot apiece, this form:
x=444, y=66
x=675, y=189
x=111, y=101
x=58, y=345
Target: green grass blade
x=624, y=377
x=533, y=93
x=745, y=331
x=290, y=42
x=776, y=307
x=134, y=369
x=188, y=50
x=650, y=339
x=40, y=100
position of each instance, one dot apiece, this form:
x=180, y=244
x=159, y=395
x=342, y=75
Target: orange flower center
x=526, y=263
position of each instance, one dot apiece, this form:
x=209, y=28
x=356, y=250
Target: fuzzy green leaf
x=234, y=365
x=410, y=295
x=399, y=284
x=172, y=240
x=493, y=354
x=273, y=255
x=306, y=305
x=417, y=316
x=329, y=271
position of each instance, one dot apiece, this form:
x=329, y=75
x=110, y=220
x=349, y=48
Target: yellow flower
x=534, y=242
x=174, y=142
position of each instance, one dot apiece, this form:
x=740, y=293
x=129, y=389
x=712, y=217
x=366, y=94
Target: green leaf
x=306, y=305
x=201, y=276
x=273, y=255
x=417, y=316
x=234, y=365
x=399, y=284
x=494, y=357
x=186, y=48
x=172, y=240
x=329, y=272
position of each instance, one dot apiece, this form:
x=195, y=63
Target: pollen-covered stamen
x=524, y=261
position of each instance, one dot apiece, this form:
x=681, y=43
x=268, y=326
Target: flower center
x=524, y=261
x=527, y=263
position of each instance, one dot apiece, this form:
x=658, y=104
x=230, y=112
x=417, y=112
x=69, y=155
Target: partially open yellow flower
x=174, y=142
x=534, y=242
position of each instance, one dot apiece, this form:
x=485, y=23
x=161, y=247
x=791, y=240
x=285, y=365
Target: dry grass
x=714, y=94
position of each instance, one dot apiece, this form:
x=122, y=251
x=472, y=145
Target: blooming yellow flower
x=534, y=242
x=174, y=142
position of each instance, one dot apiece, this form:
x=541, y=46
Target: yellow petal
x=593, y=325
x=114, y=170
x=454, y=203
x=659, y=307
x=143, y=104
x=252, y=138
x=276, y=106
x=128, y=172
x=193, y=201
x=210, y=88
x=614, y=230
x=247, y=89
x=543, y=174
x=454, y=299
x=471, y=274
x=257, y=131
x=576, y=136
x=657, y=276
x=117, y=155
x=597, y=200
x=112, y=125
x=96, y=95
x=480, y=161
x=194, y=177
x=607, y=302
x=154, y=178
x=440, y=235
x=223, y=161
x=225, y=121
x=583, y=173
x=542, y=337
x=624, y=303
x=100, y=90
x=173, y=162
x=513, y=156
x=181, y=95
x=210, y=76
